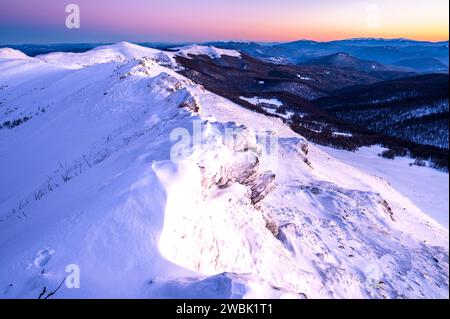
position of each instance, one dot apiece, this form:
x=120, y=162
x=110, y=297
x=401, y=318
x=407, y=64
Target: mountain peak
x=9, y=54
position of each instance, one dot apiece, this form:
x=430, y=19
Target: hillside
x=299, y=92
x=426, y=65
x=342, y=60
x=414, y=109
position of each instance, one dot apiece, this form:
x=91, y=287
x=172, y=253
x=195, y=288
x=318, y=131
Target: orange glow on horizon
x=222, y=20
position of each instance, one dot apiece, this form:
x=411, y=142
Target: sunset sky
x=43, y=21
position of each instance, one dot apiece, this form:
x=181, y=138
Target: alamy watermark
x=373, y=16
x=73, y=18
x=73, y=278
x=236, y=139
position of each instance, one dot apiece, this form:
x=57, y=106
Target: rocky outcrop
x=262, y=186
x=190, y=103
x=297, y=147
x=387, y=209
x=242, y=166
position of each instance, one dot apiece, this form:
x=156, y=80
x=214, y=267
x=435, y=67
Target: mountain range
x=420, y=56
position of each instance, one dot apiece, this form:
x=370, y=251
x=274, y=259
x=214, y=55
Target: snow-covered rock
x=151, y=186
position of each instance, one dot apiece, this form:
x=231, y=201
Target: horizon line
x=235, y=41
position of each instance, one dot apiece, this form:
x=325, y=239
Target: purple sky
x=43, y=21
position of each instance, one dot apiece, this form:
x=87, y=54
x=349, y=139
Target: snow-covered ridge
x=10, y=54
x=119, y=52
x=91, y=180
x=212, y=52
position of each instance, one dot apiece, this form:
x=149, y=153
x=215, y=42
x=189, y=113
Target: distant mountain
x=38, y=49
x=423, y=65
x=383, y=51
x=415, y=109
x=390, y=54
x=345, y=61
x=381, y=41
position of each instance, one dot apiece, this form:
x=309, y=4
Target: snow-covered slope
x=11, y=54
x=119, y=52
x=212, y=52
x=95, y=174
x=428, y=188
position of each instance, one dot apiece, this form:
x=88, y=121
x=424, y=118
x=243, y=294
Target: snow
x=212, y=52
x=342, y=134
x=119, y=52
x=305, y=78
x=276, y=60
x=257, y=100
x=11, y=54
x=102, y=180
x=428, y=188
x=286, y=116
x=273, y=103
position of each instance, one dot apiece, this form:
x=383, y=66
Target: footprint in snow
x=43, y=256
